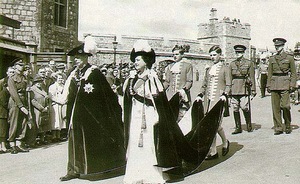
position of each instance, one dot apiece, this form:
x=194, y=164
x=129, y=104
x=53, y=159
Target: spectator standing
x=57, y=120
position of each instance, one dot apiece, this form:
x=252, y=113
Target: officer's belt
x=239, y=77
x=280, y=74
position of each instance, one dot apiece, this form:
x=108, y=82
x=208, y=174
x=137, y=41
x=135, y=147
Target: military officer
x=18, y=109
x=281, y=82
x=242, y=76
x=179, y=79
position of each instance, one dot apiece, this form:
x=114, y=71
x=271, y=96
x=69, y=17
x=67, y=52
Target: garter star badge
x=88, y=88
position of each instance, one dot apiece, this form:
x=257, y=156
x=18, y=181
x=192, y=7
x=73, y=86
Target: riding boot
x=247, y=115
x=238, y=126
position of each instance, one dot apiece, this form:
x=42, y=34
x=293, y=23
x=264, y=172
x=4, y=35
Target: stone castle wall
x=37, y=24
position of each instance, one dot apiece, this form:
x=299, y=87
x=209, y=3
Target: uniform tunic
x=178, y=75
x=242, y=75
x=16, y=118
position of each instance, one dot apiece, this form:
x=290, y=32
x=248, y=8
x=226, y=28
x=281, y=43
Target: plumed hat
x=142, y=48
x=279, y=41
x=239, y=48
x=79, y=50
x=215, y=48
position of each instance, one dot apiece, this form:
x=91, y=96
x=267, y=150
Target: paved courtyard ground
x=257, y=157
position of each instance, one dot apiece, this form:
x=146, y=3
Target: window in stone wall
x=60, y=13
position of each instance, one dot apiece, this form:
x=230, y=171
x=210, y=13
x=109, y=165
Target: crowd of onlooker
x=41, y=110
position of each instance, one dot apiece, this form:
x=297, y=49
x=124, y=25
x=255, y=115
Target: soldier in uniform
x=242, y=76
x=179, y=79
x=281, y=82
x=18, y=109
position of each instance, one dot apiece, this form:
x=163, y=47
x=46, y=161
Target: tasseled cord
x=144, y=124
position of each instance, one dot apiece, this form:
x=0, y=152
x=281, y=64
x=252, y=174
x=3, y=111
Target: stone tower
x=226, y=33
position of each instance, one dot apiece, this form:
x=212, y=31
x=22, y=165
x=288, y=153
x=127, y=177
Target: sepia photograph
x=149, y=91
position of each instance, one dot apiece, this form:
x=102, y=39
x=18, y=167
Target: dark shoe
x=249, y=128
x=14, y=150
x=69, y=177
x=278, y=132
x=21, y=149
x=288, y=131
x=211, y=157
x=237, y=131
x=225, y=150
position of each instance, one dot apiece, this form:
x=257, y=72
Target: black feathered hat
x=79, y=50
x=142, y=48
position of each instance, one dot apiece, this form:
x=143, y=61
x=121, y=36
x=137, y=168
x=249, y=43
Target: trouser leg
x=276, y=108
x=285, y=106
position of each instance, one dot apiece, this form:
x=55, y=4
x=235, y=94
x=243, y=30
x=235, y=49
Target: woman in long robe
x=141, y=154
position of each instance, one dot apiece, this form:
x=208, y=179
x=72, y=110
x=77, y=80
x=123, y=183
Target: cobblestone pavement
x=257, y=157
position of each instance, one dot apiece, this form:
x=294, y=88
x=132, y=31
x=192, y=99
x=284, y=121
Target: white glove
x=24, y=110
x=223, y=98
x=198, y=99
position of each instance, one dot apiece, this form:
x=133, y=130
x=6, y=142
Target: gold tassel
x=141, y=144
x=144, y=126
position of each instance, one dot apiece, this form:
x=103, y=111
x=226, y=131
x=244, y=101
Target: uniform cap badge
x=88, y=88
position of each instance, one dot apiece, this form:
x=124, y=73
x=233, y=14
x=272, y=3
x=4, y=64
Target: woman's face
x=140, y=64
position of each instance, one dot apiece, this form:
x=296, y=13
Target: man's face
x=80, y=60
x=177, y=56
x=239, y=54
x=42, y=72
x=279, y=47
x=19, y=68
x=10, y=72
x=215, y=57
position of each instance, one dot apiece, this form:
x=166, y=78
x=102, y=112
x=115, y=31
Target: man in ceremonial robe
x=96, y=140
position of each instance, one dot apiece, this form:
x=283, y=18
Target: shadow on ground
x=234, y=147
x=255, y=126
